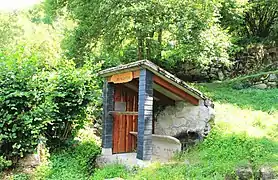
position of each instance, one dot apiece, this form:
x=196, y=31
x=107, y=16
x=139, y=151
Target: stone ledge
x=167, y=138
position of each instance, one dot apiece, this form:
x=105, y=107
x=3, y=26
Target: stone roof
x=157, y=71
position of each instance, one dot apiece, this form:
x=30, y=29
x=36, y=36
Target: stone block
x=272, y=84
x=30, y=160
x=260, y=86
x=244, y=173
x=221, y=76
x=183, y=117
x=273, y=77
x=266, y=173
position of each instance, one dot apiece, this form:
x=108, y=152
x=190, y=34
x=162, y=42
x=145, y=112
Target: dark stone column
x=145, y=115
x=107, y=119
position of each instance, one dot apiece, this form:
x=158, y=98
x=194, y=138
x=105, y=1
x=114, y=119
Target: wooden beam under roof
x=175, y=90
x=158, y=96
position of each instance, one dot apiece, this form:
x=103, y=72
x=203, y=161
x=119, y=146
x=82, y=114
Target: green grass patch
x=111, y=171
x=243, y=78
x=160, y=172
x=70, y=164
x=255, y=99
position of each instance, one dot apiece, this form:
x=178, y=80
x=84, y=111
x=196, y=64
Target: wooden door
x=126, y=100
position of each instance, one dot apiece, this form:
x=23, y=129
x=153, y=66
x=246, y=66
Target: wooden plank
x=133, y=124
x=166, y=92
x=127, y=125
x=136, y=74
x=123, y=122
x=115, y=134
x=134, y=86
x=124, y=77
x=117, y=98
x=130, y=123
x=136, y=122
x=175, y=90
x=127, y=113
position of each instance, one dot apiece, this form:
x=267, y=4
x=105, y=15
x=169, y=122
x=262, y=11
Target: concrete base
x=106, y=151
x=127, y=159
x=142, y=163
x=163, y=146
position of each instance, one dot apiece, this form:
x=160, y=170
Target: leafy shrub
x=23, y=112
x=37, y=101
x=4, y=163
x=71, y=91
x=21, y=176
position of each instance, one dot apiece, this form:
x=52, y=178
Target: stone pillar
x=145, y=115
x=107, y=119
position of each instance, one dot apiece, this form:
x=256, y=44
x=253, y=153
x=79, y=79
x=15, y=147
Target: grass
x=111, y=171
x=253, y=99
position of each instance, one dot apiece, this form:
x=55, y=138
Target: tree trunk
x=159, y=39
x=148, y=48
x=140, y=48
x=148, y=45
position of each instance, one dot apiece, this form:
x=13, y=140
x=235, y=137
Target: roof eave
x=157, y=71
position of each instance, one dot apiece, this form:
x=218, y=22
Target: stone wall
x=253, y=59
x=265, y=81
x=183, y=119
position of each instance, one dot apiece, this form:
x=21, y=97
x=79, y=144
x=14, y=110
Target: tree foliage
x=161, y=31
x=9, y=29
x=168, y=32
x=255, y=18
x=261, y=17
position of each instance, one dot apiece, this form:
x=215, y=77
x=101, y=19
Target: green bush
x=4, y=163
x=71, y=90
x=36, y=101
x=21, y=176
x=23, y=111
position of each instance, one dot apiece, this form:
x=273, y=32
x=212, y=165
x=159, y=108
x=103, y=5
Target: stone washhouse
x=149, y=114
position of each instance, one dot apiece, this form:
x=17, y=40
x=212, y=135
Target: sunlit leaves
x=130, y=30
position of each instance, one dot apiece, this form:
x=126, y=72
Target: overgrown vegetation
x=38, y=103
x=70, y=163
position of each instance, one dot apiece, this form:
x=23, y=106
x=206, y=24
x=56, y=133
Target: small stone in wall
x=221, y=75
x=30, y=160
x=244, y=173
x=272, y=84
x=272, y=77
x=260, y=86
x=266, y=173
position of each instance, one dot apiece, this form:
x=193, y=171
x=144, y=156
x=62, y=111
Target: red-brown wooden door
x=123, y=141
